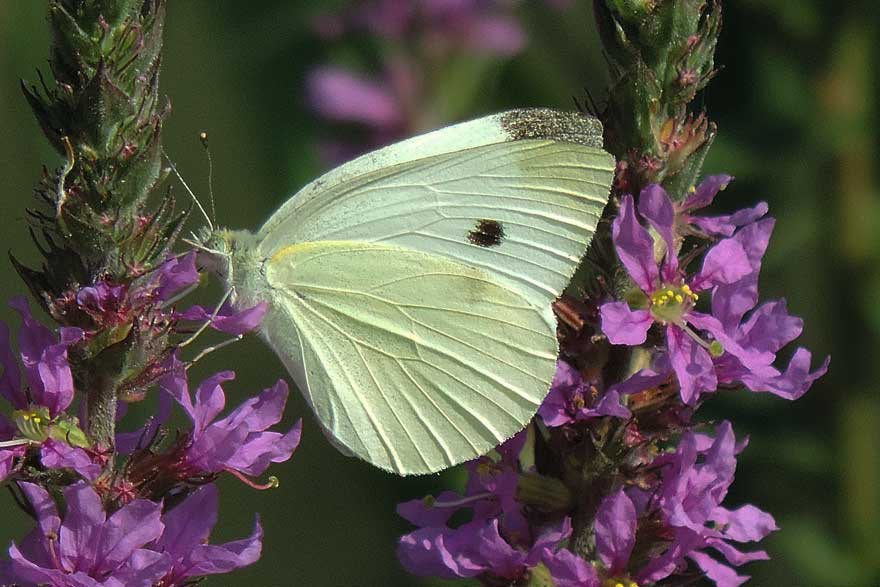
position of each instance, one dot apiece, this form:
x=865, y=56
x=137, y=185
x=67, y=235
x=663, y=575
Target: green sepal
x=547, y=494
x=100, y=107
x=677, y=185
x=66, y=429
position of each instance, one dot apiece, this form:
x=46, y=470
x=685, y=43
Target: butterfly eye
x=487, y=233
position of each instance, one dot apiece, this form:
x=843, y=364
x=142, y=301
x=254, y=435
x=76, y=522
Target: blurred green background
x=796, y=106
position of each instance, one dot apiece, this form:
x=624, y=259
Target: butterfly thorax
x=232, y=255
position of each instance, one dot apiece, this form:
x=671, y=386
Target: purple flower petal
x=725, y=263
x=705, y=193
x=757, y=361
x=745, y=524
x=635, y=247
x=187, y=528
x=228, y=320
x=189, y=523
x=135, y=524
x=45, y=510
x=726, y=225
x=10, y=381
x=656, y=207
x=45, y=361
x=615, y=528
x=429, y=511
x=81, y=530
x=625, y=326
x=175, y=275
x=60, y=455
x=721, y=574
x=731, y=302
x=770, y=327
x=796, y=380
x=735, y=556
x=500, y=557
x=642, y=380
x=692, y=364
x=215, y=559
x=569, y=570
x=425, y=553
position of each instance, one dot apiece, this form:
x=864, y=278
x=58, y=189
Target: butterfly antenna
x=203, y=137
x=188, y=190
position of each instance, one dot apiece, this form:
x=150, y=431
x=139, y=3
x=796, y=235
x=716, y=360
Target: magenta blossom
x=185, y=541
x=571, y=399
x=87, y=548
x=703, y=195
x=477, y=548
x=239, y=443
x=666, y=298
x=760, y=334
x=694, y=482
x=228, y=320
x=765, y=330
x=40, y=406
x=44, y=358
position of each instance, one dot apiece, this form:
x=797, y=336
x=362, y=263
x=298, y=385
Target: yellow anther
x=37, y=420
x=25, y=417
x=696, y=297
x=692, y=189
x=679, y=298
x=669, y=293
x=686, y=288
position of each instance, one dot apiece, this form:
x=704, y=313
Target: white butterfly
x=410, y=290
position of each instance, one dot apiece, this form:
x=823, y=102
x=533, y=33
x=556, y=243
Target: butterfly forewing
x=524, y=210
x=412, y=361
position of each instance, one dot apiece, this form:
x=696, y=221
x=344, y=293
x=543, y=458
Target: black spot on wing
x=487, y=233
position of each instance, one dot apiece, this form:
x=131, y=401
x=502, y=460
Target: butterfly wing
x=517, y=195
x=411, y=360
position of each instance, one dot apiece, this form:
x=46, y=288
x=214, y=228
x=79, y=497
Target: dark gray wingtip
x=557, y=125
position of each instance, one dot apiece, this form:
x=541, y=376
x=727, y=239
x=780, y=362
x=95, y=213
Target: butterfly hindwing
x=411, y=360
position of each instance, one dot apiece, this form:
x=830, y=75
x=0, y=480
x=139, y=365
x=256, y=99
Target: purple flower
x=571, y=399
x=615, y=532
x=702, y=196
x=694, y=482
x=239, y=443
x=766, y=330
x=60, y=455
x=665, y=297
x=9, y=455
x=498, y=540
x=475, y=548
x=228, y=319
x=174, y=276
x=87, y=548
x=185, y=541
x=44, y=357
x=105, y=303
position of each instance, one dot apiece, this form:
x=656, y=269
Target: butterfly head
x=225, y=253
